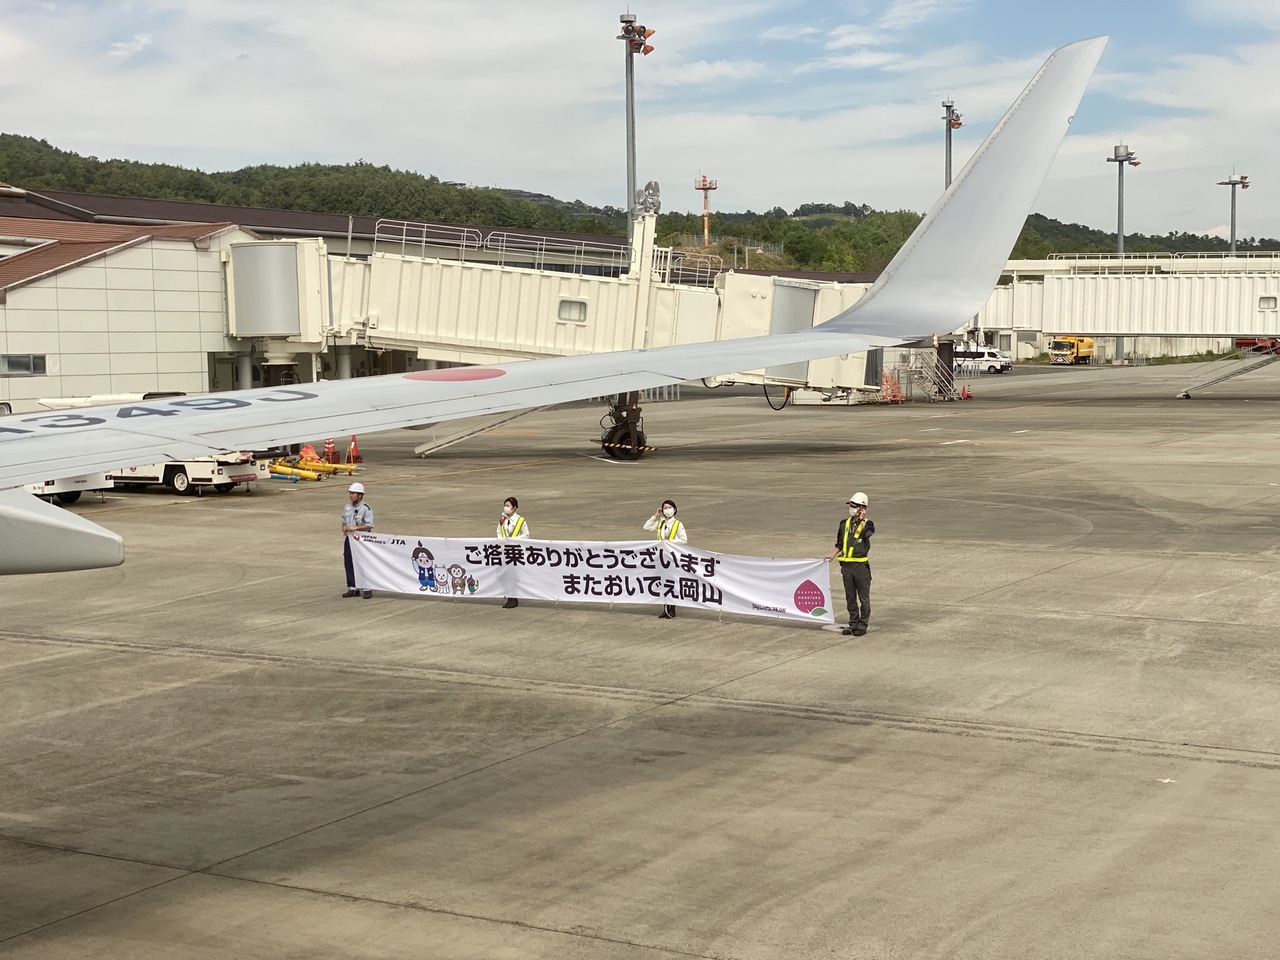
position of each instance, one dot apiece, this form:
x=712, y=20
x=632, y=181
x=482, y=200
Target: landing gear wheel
x=618, y=443
x=70, y=496
x=180, y=482
x=224, y=487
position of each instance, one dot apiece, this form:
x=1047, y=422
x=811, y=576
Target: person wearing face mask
x=668, y=528
x=853, y=543
x=511, y=526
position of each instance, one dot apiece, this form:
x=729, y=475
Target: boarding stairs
x=473, y=429
x=1264, y=361
x=923, y=370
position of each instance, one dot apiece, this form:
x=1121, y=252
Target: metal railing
x=414, y=238
x=765, y=246
x=541, y=252
x=1228, y=255
x=1148, y=255
x=922, y=369
x=690, y=269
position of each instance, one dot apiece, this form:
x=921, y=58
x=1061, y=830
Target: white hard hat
x=356, y=488
x=859, y=500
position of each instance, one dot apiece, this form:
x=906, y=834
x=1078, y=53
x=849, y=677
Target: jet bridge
x=1132, y=295
x=532, y=298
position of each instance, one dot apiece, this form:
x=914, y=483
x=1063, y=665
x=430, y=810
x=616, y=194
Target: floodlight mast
x=950, y=121
x=1234, y=181
x=1123, y=156
x=634, y=37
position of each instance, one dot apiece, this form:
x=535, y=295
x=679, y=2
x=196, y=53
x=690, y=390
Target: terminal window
x=1266, y=303
x=21, y=365
x=572, y=311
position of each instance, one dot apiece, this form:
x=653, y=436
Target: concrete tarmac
x=1060, y=738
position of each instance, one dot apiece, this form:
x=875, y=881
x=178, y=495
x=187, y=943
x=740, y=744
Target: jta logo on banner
x=639, y=571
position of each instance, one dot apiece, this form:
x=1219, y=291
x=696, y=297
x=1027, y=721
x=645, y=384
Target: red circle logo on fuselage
x=456, y=374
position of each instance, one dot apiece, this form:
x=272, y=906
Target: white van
x=983, y=359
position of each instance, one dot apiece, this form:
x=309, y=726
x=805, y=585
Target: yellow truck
x=1071, y=350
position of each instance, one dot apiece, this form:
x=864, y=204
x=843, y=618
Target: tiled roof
x=11, y=206
x=72, y=242
x=107, y=208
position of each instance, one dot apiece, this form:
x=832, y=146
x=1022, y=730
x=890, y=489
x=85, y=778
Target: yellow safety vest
x=515, y=532
x=846, y=551
x=671, y=533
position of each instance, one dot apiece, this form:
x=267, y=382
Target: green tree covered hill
x=845, y=237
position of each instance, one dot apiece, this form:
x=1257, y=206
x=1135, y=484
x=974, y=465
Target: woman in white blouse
x=670, y=529
x=511, y=526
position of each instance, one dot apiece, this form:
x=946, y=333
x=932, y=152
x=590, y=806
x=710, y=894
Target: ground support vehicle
x=981, y=360
x=1071, y=350
x=69, y=489
x=223, y=473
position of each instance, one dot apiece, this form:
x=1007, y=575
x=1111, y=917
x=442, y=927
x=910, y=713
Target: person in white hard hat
x=853, y=543
x=357, y=516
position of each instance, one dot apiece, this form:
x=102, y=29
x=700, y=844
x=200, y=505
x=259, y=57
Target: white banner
x=628, y=571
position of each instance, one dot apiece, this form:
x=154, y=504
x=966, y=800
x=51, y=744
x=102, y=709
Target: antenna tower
x=706, y=185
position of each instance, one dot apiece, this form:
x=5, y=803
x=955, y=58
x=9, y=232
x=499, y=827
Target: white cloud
x=858, y=60
x=908, y=13
x=123, y=50
x=790, y=32
x=702, y=72
x=1264, y=13
x=849, y=35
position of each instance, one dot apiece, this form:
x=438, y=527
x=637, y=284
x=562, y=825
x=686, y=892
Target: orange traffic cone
x=330, y=451
x=353, y=452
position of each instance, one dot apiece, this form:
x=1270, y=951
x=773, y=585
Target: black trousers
x=346, y=562
x=857, y=592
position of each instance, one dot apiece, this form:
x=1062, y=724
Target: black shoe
x=847, y=631
x=511, y=603
x=860, y=632
x=352, y=592
x=368, y=594
x=666, y=616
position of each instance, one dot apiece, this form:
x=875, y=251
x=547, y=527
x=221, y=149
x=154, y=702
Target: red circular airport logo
x=455, y=374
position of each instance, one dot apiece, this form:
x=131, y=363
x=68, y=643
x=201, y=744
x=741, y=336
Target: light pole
x=1123, y=155
x=950, y=121
x=1234, y=181
x=633, y=37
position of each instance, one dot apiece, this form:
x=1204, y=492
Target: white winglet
x=944, y=273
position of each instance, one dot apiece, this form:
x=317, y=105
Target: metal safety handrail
x=539, y=251
x=407, y=234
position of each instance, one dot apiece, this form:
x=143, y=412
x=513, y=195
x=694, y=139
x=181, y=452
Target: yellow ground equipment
x=328, y=469
x=289, y=467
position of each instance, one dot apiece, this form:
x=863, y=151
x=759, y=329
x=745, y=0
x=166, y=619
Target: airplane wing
x=942, y=276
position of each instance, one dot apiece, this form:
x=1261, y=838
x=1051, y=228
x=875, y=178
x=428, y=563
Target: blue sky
x=782, y=102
